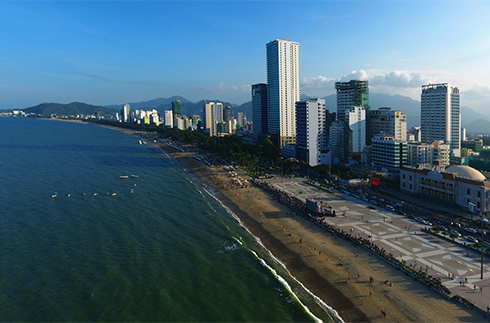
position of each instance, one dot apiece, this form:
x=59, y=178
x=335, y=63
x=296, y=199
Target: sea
x=78, y=243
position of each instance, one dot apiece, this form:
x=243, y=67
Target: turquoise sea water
x=167, y=252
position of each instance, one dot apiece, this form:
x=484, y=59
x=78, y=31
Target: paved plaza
x=404, y=239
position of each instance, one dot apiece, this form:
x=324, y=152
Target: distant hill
x=148, y=105
x=480, y=126
x=74, y=108
x=469, y=116
x=188, y=107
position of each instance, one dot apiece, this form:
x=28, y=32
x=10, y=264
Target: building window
x=468, y=191
x=410, y=186
x=403, y=176
x=479, y=195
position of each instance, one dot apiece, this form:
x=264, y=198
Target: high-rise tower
x=351, y=94
x=439, y=116
x=176, y=112
x=283, y=88
x=259, y=109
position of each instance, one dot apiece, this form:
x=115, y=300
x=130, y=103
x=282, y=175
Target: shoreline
x=311, y=256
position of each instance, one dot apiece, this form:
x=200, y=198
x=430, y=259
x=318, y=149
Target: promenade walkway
x=404, y=239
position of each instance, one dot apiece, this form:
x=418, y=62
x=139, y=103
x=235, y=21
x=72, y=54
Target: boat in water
x=124, y=177
x=134, y=176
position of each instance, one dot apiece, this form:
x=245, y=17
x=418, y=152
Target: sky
x=113, y=52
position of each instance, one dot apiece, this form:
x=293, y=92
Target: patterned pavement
x=402, y=237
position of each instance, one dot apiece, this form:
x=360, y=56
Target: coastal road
x=403, y=238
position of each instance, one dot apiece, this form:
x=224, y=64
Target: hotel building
x=283, y=89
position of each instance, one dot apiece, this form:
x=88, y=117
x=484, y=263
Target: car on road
x=374, y=202
x=479, y=231
x=371, y=207
x=456, y=233
x=442, y=228
x=470, y=230
x=381, y=199
x=423, y=221
x=390, y=207
x=401, y=212
x=435, y=218
x=471, y=239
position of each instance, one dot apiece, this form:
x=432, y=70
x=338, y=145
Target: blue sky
x=110, y=52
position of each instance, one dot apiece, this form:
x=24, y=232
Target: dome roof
x=466, y=172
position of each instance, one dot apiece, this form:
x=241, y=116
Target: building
x=213, y=114
x=387, y=121
x=417, y=154
x=311, y=132
x=176, y=112
x=476, y=145
x=439, y=152
x=351, y=94
x=388, y=154
x=440, y=118
x=356, y=120
x=227, y=113
x=240, y=119
x=415, y=134
x=283, y=89
x=259, y=110
x=338, y=141
x=125, y=113
x=169, y=119
x=460, y=185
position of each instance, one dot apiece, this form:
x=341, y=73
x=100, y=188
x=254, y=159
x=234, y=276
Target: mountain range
x=473, y=121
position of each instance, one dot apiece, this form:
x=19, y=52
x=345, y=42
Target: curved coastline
x=357, y=301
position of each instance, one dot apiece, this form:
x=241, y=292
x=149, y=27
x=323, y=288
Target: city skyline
x=115, y=52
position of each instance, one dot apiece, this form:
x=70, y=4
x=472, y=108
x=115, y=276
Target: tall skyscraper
x=283, y=88
x=440, y=118
x=169, y=119
x=227, y=113
x=311, y=131
x=259, y=109
x=125, y=113
x=177, y=112
x=213, y=113
x=351, y=94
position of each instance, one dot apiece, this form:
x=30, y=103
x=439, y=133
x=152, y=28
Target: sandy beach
x=312, y=256
x=314, y=261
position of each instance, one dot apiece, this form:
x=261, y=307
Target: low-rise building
x=459, y=184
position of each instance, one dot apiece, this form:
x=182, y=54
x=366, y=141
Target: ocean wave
x=332, y=312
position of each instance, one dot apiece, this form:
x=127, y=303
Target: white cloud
x=318, y=85
x=355, y=75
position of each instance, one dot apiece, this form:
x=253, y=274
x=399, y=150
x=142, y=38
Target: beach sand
x=314, y=261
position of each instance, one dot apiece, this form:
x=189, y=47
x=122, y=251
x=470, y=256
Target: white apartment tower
x=311, y=131
x=356, y=118
x=213, y=113
x=125, y=113
x=440, y=118
x=283, y=89
x=169, y=120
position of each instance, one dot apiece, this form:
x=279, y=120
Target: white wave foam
x=332, y=312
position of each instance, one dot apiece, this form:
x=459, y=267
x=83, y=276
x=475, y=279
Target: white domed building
x=460, y=184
